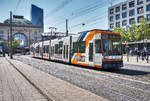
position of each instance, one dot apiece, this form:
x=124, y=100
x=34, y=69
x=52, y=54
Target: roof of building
x=18, y=20
x=15, y=25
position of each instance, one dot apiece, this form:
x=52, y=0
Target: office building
x=128, y=12
x=37, y=16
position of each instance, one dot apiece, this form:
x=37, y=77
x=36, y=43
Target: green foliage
x=144, y=29
x=123, y=33
x=15, y=44
x=135, y=33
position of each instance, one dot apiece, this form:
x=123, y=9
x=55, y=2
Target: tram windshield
x=111, y=47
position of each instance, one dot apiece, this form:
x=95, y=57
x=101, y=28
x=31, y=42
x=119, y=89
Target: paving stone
x=55, y=88
x=13, y=86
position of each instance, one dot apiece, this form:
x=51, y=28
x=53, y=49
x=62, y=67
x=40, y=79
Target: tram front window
x=111, y=47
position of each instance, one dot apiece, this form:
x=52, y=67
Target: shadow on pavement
x=128, y=72
x=122, y=71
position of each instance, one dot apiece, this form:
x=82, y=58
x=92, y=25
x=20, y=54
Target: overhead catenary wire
x=82, y=12
x=88, y=21
x=18, y=3
x=86, y=11
x=58, y=8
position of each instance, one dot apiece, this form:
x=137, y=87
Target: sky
x=81, y=14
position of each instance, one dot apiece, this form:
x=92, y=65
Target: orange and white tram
x=94, y=48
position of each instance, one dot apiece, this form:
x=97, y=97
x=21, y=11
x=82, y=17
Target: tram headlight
x=105, y=57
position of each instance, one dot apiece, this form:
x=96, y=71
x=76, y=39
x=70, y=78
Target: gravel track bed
x=108, y=86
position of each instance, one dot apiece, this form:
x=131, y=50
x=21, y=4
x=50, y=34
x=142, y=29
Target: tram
x=93, y=48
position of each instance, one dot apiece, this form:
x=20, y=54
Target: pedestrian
x=142, y=54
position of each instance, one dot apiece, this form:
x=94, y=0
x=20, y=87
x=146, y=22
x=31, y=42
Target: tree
x=144, y=30
x=123, y=33
x=15, y=44
x=133, y=33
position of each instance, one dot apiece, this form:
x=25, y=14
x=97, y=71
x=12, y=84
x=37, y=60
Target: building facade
x=22, y=30
x=37, y=16
x=128, y=12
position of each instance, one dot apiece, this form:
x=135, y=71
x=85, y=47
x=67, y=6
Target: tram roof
x=96, y=30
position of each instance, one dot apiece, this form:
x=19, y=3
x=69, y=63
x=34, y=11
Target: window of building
x=98, y=46
x=124, y=22
x=131, y=12
x=131, y=4
x=139, y=2
x=117, y=16
x=148, y=17
x=111, y=18
x=131, y=21
x=1, y=35
x=111, y=11
x=140, y=10
x=124, y=6
x=148, y=7
x=117, y=24
x=118, y=9
x=112, y=25
x=140, y=18
x=147, y=0
x=124, y=14
x=35, y=35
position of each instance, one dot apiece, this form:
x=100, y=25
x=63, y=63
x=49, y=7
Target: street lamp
x=29, y=40
x=8, y=42
x=127, y=46
x=11, y=38
x=53, y=29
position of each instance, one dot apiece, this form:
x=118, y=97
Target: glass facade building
x=37, y=16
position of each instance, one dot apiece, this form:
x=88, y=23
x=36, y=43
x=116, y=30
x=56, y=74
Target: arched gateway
x=22, y=39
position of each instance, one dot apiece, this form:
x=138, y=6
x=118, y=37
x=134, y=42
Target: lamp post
x=147, y=52
x=11, y=50
x=29, y=41
x=53, y=29
x=8, y=42
x=127, y=46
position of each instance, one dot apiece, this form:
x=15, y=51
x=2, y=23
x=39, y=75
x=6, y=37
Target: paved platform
x=14, y=87
x=133, y=60
x=55, y=89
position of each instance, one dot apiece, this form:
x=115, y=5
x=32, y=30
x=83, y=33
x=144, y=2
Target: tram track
x=110, y=85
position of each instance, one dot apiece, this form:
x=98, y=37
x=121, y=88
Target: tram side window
x=79, y=47
x=52, y=51
x=37, y=49
x=75, y=47
x=64, y=50
x=56, y=49
x=67, y=51
x=60, y=49
x=46, y=49
x=97, y=46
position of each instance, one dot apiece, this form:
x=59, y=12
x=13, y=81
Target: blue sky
x=81, y=14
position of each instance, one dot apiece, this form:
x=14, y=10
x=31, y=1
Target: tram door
x=90, y=52
x=97, y=52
